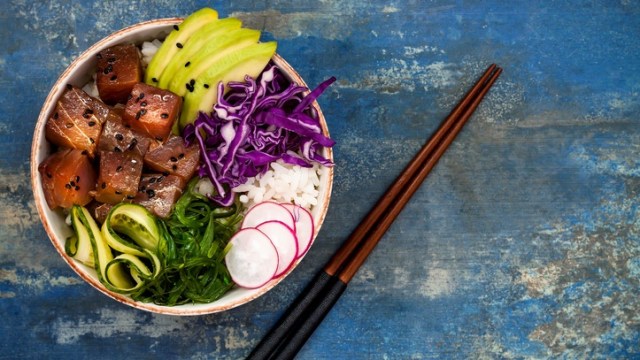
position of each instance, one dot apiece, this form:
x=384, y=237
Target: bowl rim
x=124, y=35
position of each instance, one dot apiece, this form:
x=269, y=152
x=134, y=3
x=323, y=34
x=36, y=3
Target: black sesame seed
x=181, y=156
x=104, y=185
x=164, y=173
x=187, y=64
x=130, y=197
x=159, y=138
x=174, y=159
x=108, y=69
x=68, y=186
x=176, y=28
x=86, y=116
x=69, y=87
x=142, y=188
x=164, y=115
x=144, y=103
x=152, y=180
x=154, y=79
x=91, y=123
x=72, y=183
x=77, y=188
x=117, y=149
x=142, y=112
x=84, y=152
x=49, y=175
x=138, y=114
x=141, y=96
x=55, y=116
x=192, y=82
x=206, y=86
x=92, y=141
x=129, y=97
x=119, y=137
x=179, y=45
x=111, y=59
x=160, y=178
x=118, y=192
x=151, y=193
x=99, y=56
x=114, y=78
x=174, y=167
x=119, y=168
x=77, y=178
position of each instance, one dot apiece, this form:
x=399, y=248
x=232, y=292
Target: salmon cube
x=77, y=121
x=119, y=176
x=173, y=157
x=159, y=193
x=152, y=111
x=117, y=137
x=68, y=177
x=118, y=70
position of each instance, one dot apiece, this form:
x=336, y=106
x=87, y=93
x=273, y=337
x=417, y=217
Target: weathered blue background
x=523, y=243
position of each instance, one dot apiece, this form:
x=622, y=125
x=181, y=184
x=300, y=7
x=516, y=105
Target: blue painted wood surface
x=523, y=243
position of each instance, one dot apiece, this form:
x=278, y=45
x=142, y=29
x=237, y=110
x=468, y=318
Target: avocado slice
x=175, y=41
x=205, y=35
x=209, y=55
x=235, y=66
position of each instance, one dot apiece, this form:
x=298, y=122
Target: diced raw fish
x=152, y=111
x=119, y=176
x=77, y=121
x=159, y=193
x=118, y=70
x=173, y=157
x=117, y=137
x=67, y=177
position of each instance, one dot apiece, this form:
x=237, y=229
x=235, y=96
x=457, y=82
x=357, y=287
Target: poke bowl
x=111, y=250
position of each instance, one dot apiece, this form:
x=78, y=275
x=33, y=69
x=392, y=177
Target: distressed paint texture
x=523, y=243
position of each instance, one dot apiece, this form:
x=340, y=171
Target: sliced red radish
x=252, y=260
x=304, y=227
x=285, y=242
x=267, y=211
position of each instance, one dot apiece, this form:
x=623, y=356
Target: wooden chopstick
x=288, y=336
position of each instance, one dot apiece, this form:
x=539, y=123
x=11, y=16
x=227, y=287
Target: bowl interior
x=78, y=74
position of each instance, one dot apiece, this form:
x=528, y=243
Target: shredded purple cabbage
x=254, y=124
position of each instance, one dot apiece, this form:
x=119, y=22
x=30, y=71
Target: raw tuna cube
x=119, y=138
x=119, y=176
x=118, y=70
x=173, y=157
x=152, y=111
x=159, y=193
x=67, y=178
x=101, y=211
x=77, y=121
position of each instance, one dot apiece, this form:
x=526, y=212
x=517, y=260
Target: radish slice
x=267, y=211
x=252, y=260
x=304, y=227
x=285, y=242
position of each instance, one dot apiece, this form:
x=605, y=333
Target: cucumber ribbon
x=129, y=231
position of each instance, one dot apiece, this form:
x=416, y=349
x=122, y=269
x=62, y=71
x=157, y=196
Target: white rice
x=282, y=183
x=149, y=48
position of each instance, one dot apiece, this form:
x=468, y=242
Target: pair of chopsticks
x=288, y=336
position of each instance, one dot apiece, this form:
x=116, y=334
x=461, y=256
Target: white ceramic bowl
x=78, y=74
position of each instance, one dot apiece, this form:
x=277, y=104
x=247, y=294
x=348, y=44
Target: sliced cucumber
x=137, y=223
